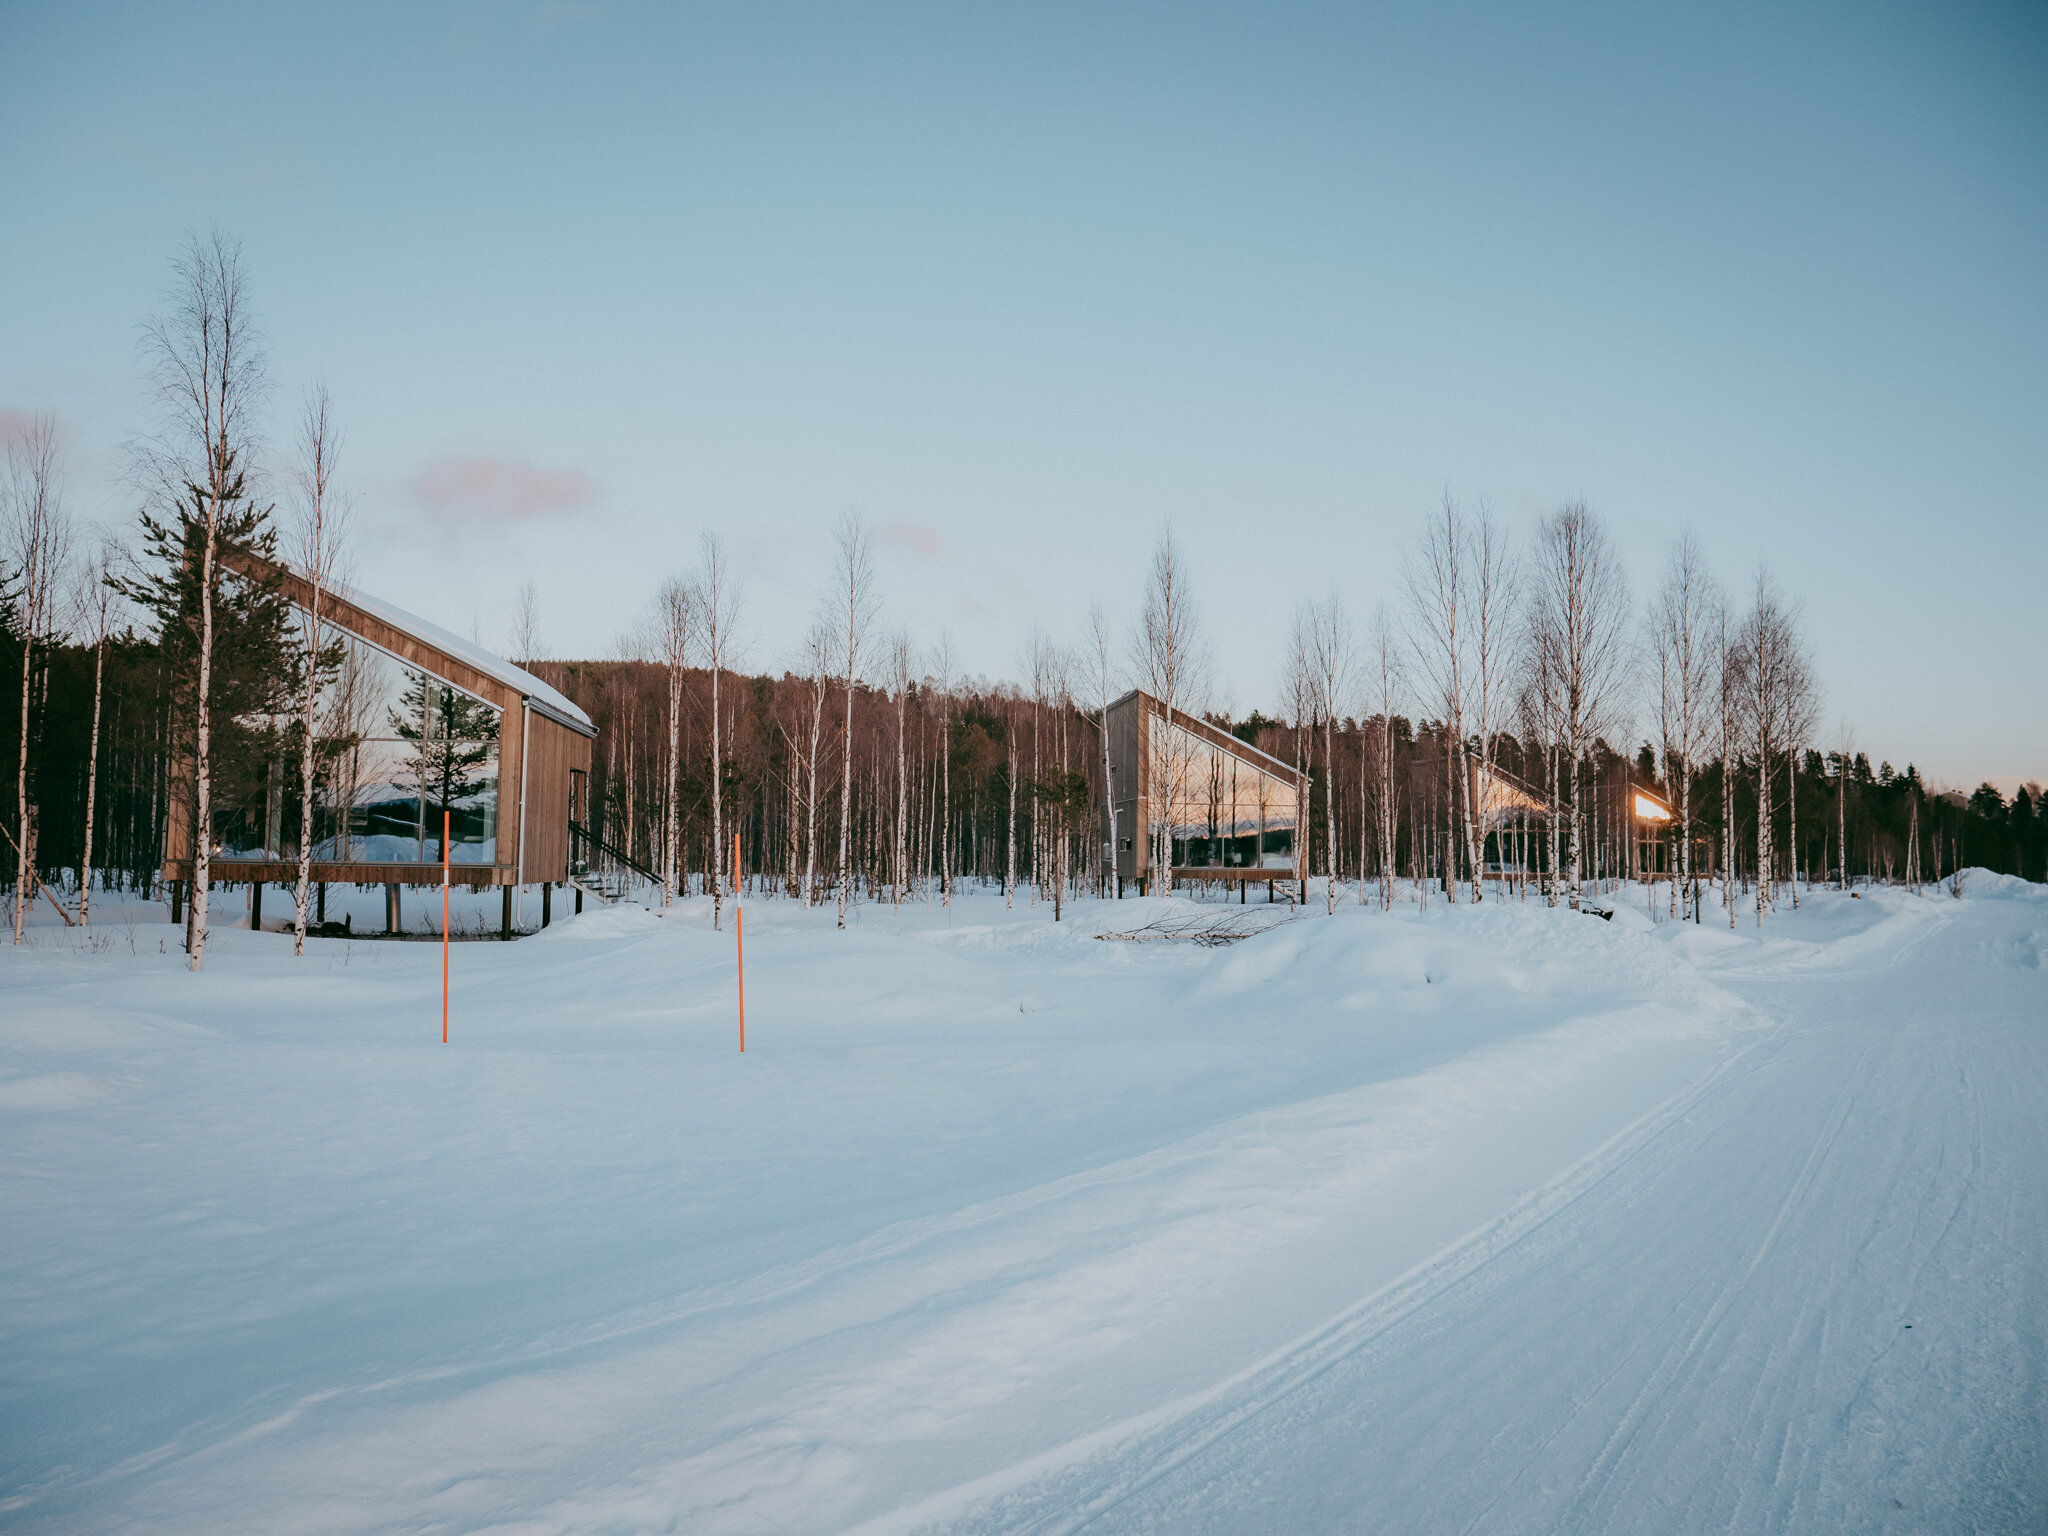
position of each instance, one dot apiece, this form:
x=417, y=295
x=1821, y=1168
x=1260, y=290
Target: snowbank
x=993, y=1215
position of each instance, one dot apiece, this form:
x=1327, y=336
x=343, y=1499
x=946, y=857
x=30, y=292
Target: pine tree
x=247, y=670
x=452, y=736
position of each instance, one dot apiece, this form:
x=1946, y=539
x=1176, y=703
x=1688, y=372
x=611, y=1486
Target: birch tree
x=1434, y=576
x=715, y=597
x=1493, y=585
x=322, y=514
x=901, y=657
x=1304, y=708
x=1579, y=621
x=1682, y=628
x=95, y=605
x=1541, y=713
x=526, y=625
x=39, y=544
x=673, y=632
x=208, y=373
x=1102, y=656
x=1802, y=709
x=1730, y=664
x=1386, y=668
x=1844, y=755
x=818, y=669
x=1168, y=654
x=1039, y=663
x=1777, y=704
x=1010, y=862
x=854, y=607
x=942, y=660
x=1332, y=653
x=1763, y=710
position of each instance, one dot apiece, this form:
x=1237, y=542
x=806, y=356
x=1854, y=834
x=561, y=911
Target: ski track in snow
x=1470, y=1221
x=1860, y=1348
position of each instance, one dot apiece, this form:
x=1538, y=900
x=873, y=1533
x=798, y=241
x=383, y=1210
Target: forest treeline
x=1050, y=736
x=1486, y=731
x=964, y=798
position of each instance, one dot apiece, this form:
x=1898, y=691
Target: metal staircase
x=601, y=871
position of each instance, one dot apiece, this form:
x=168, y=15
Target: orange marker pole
x=739, y=936
x=444, y=925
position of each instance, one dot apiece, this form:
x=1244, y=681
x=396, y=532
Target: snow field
x=1494, y=1218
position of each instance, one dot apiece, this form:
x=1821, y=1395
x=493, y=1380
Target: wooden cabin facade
x=516, y=781
x=1209, y=805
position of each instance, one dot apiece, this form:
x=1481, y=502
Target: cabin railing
x=586, y=848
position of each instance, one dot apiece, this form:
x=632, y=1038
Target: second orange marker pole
x=739, y=935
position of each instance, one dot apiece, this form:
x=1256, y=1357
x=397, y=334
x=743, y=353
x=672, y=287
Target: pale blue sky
x=1023, y=283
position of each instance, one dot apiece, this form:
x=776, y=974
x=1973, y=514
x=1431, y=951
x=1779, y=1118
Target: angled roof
x=297, y=589
x=544, y=698
x=1216, y=736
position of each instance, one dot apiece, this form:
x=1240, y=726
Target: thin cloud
x=919, y=538
x=14, y=424
x=497, y=491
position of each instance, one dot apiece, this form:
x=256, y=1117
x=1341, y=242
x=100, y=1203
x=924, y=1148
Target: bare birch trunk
x=317, y=450
x=1842, y=814
x=1792, y=813
x=202, y=757
x=1099, y=636
x=1390, y=819
x=41, y=539
x=1555, y=881
x=855, y=573
x=1330, y=804
x=846, y=803
x=671, y=788
x=92, y=781
x=945, y=659
x=901, y=873
x=1765, y=865
x=25, y=841
x=1575, y=839
x=312, y=693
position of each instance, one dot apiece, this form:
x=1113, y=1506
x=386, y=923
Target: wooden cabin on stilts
x=414, y=722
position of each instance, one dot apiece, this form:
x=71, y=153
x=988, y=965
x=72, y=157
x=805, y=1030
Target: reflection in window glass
x=394, y=747
x=1225, y=812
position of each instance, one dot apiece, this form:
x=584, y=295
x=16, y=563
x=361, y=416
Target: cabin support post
x=320, y=904
x=256, y=907
x=177, y=901
x=505, y=922
x=392, y=914
x=547, y=902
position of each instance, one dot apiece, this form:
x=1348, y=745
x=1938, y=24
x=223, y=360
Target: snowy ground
x=1472, y=1220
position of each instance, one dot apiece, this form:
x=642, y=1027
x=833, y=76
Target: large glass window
x=394, y=747
x=1225, y=811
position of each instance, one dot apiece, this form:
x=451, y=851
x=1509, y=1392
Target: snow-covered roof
x=1229, y=741
x=536, y=692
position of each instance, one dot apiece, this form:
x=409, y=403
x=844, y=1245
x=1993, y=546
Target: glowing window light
x=1650, y=810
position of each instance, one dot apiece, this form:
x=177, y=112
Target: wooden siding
x=1130, y=748
x=1127, y=750
x=557, y=752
